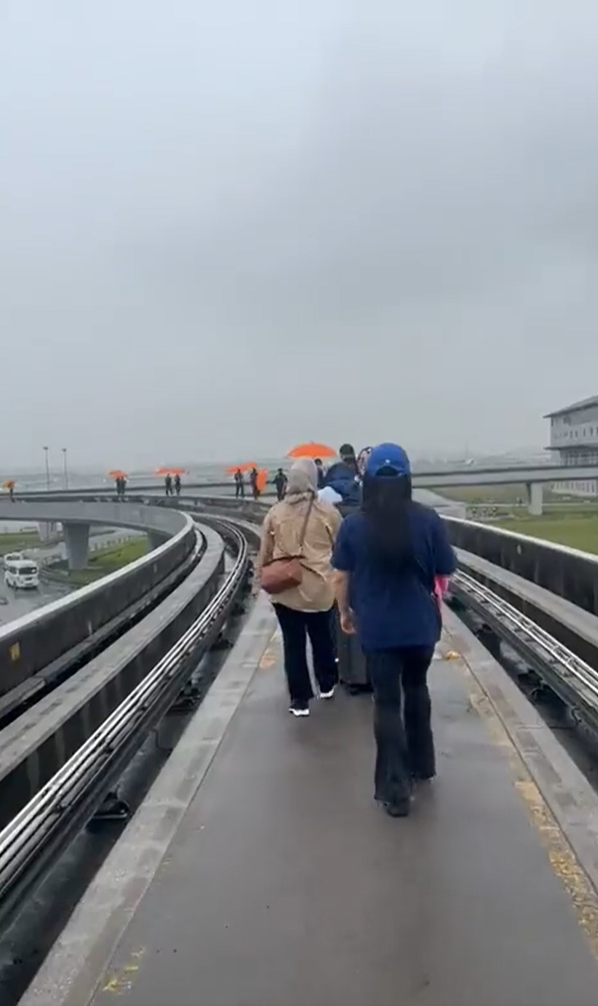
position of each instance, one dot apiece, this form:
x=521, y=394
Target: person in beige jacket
x=305, y=610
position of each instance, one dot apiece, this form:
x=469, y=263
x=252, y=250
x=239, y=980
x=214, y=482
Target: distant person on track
x=343, y=476
x=321, y=473
x=253, y=477
x=239, y=484
x=387, y=558
x=301, y=526
x=168, y=485
x=177, y=484
x=280, y=481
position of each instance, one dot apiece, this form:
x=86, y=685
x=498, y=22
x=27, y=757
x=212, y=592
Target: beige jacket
x=281, y=532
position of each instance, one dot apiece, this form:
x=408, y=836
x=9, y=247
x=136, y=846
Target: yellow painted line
x=122, y=980
x=560, y=855
x=271, y=655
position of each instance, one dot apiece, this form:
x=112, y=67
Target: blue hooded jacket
x=343, y=479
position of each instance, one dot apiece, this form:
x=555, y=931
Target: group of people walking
x=375, y=570
x=172, y=486
x=253, y=484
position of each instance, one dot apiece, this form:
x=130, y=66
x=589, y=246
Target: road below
x=16, y=603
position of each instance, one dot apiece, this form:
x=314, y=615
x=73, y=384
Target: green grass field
x=578, y=530
x=15, y=541
x=103, y=562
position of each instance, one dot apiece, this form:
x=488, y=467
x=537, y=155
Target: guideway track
x=274, y=879
x=567, y=675
x=39, y=833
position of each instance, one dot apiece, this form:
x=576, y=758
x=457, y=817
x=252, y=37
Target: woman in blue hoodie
x=386, y=558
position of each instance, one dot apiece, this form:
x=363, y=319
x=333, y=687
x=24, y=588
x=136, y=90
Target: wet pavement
x=259, y=871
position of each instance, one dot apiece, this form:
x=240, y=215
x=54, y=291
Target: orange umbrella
x=117, y=473
x=9, y=484
x=170, y=471
x=245, y=467
x=312, y=450
x=262, y=479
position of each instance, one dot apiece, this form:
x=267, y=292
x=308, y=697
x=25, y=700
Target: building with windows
x=574, y=441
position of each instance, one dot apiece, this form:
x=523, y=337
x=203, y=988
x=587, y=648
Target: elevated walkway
x=259, y=872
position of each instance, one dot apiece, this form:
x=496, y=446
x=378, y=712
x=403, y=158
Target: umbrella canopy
x=9, y=484
x=245, y=467
x=312, y=450
x=117, y=473
x=262, y=479
x=170, y=471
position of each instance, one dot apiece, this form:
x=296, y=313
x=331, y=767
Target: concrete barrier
x=43, y=637
x=567, y=572
x=39, y=742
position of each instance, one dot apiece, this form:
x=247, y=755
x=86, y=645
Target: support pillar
x=535, y=498
x=76, y=540
x=155, y=539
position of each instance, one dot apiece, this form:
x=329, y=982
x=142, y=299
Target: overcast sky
x=226, y=227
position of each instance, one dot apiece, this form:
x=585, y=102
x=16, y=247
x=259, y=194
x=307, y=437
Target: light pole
x=65, y=467
x=46, y=450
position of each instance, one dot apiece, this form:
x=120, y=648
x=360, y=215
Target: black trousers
x=402, y=720
x=296, y=627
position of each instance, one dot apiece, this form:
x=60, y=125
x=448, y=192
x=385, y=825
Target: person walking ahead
x=302, y=526
x=386, y=559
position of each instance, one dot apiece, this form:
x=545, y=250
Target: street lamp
x=46, y=450
x=65, y=468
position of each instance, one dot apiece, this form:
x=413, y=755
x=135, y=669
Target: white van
x=21, y=573
x=13, y=557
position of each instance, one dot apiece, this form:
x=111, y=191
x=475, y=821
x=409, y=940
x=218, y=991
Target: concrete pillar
x=76, y=540
x=155, y=539
x=535, y=498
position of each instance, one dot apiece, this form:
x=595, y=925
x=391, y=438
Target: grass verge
x=101, y=563
x=578, y=530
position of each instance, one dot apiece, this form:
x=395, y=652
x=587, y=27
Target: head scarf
x=303, y=480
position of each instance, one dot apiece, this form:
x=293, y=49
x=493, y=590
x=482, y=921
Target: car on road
x=21, y=574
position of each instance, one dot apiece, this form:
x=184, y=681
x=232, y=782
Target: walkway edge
x=70, y=974
x=568, y=795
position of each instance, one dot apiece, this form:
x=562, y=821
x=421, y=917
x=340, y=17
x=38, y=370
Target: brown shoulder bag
x=286, y=572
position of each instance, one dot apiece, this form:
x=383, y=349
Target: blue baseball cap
x=390, y=457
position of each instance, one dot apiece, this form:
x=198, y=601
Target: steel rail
x=570, y=677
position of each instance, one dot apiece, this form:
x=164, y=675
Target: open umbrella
x=9, y=484
x=312, y=450
x=117, y=473
x=165, y=470
x=245, y=467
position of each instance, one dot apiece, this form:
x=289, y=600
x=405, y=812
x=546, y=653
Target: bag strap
x=304, y=528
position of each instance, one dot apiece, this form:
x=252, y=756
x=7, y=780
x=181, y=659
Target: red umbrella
x=245, y=467
x=312, y=450
x=262, y=479
x=170, y=471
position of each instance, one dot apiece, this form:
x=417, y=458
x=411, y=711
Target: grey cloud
x=226, y=230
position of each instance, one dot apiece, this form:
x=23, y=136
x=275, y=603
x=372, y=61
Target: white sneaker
x=327, y=695
x=301, y=711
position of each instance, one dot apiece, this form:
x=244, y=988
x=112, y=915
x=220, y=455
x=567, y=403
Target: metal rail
x=570, y=677
x=37, y=835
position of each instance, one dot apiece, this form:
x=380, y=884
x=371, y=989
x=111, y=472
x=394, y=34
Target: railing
x=69, y=628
